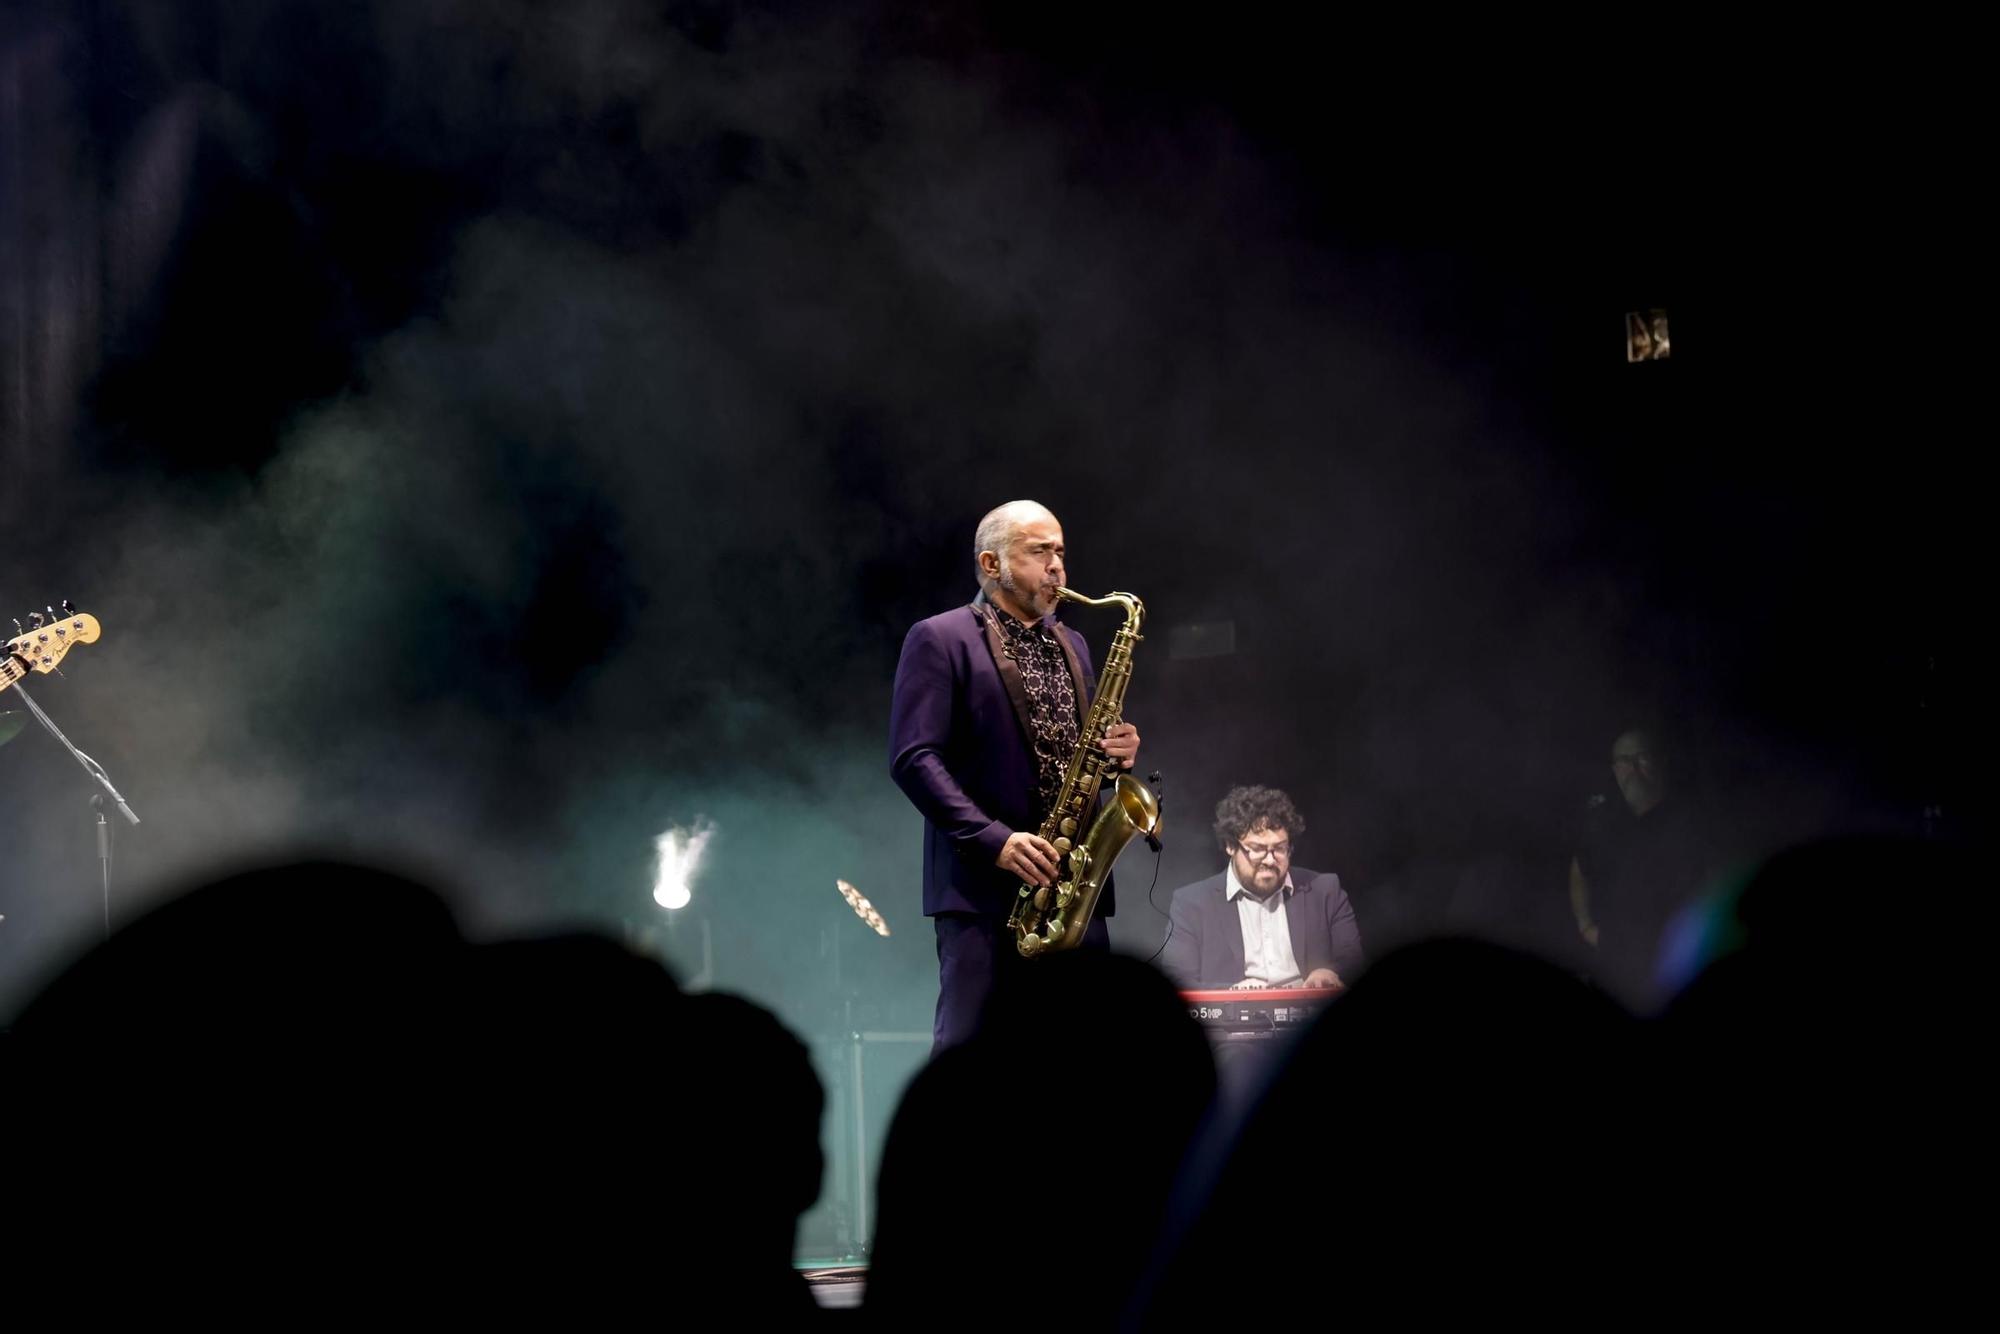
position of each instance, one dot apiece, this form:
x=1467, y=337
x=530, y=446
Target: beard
x=1639, y=791
x=1042, y=601
x=1264, y=879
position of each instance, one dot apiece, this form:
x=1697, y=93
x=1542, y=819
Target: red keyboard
x=1278, y=995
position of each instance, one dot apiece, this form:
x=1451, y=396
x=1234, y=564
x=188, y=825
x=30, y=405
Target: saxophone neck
x=1135, y=610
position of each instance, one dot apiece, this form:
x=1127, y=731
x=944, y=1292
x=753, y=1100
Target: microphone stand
x=853, y=1221
x=103, y=780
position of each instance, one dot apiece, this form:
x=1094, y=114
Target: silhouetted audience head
x=751, y=1129
x=1826, y=1070
x=319, y=943
x=1431, y=1145
x=1864, y=922
x=297, y=1090
x=1026, y=1169
x=239, y=1082
x=639, y=1141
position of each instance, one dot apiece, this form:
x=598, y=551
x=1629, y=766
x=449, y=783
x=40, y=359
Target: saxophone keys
x=1068, y=829
x=1042, y=899
x=1063, y=844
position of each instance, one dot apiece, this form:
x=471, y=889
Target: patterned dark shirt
x=1051, y=695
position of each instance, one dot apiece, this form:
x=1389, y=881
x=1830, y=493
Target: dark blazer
x=958, y=747
x=1205, y=949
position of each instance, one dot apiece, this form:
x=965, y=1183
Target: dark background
x=491, y=434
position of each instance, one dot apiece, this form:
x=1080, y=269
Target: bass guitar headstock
x=41, y=644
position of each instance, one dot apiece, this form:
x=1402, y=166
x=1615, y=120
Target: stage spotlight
x=1646, y=336
x=863, y=909
x=678, y=857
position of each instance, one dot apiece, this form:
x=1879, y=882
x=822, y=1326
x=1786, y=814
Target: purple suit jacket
x=958, y=747
x=1206, y=948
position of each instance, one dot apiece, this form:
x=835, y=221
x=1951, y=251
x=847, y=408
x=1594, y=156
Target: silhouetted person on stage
x=1640, y=860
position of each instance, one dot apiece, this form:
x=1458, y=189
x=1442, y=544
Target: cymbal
x=10, y=723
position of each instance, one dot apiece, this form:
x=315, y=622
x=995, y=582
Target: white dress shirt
x=1267, y=936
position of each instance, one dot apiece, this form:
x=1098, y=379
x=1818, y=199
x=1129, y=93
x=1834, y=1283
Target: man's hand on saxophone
x=1030, y=857
x=1121, y=744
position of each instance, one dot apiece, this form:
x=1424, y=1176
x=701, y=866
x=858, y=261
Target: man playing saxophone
x=986, y=714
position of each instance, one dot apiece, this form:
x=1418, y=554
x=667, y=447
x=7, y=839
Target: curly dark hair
x=1248, y=808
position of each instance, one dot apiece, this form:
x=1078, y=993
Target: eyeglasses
x=1277, y=852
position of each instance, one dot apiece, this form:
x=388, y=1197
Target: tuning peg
x=35, y=620
x=19, y=629
x=69, y=608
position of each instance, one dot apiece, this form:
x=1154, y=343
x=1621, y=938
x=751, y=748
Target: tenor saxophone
x=1055, y=917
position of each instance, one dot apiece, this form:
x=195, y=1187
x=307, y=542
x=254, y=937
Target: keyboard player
x=1262, y=923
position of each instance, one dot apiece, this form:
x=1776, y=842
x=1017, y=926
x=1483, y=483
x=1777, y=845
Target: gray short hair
x=996, y=531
